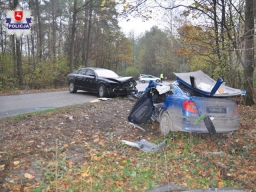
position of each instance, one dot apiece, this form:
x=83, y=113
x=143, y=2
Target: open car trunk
x=205, y=85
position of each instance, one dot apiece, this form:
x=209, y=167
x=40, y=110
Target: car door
x=146, y=78
x=80, y=78
x=142, y=110
x=150, y=77
x=90, y=80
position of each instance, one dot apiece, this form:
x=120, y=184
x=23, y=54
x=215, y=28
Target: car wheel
x=157, y=81
x=102, y=91
x=165, y=123
x=72, y=88
x=142, y=81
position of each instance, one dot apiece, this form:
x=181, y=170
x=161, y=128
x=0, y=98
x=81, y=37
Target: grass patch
x=181, y=161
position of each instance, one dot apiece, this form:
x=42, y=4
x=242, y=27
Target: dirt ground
x=27, y=141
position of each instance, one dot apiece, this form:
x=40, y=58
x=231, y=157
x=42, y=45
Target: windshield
x=106, y=73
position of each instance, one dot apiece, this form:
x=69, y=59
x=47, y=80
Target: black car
x=102, y=81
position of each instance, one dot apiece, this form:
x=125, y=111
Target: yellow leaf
x=70, y=164
x=124, y=161
x=29, y=176
x=220, y=184
x=101, y=143
x=85, y=174
x=121, y=167
x=16, y=188
x=65, y=145
x=2, y=167
x=103, y=3
x=16, y=162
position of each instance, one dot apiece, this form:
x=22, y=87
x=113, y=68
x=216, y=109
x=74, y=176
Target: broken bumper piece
x=146, y=146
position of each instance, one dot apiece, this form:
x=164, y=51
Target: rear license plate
x=216, y=110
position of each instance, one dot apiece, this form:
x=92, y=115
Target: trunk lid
x=205, y=85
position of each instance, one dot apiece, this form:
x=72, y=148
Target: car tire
x=165, y=123
x=157, y=81
x=72, y=88
x=142, y=81
x=102, y=91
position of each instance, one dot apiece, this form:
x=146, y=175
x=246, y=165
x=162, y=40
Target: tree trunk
x=88, y=36
x=216, y=29
x=39, y=37
x=53, y=32
x=28, y=51
x=249, y=52
x=85, y=37
x=72, y=37
x=14, y=56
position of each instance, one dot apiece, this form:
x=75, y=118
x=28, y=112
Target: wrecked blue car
x=193, y=103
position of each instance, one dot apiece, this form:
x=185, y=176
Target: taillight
x=236, y=111
x=190, y=106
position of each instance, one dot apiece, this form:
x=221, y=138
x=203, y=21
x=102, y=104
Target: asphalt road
x=12, y=105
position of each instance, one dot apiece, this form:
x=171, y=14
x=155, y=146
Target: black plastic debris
x=141, y=111
x=209, y=125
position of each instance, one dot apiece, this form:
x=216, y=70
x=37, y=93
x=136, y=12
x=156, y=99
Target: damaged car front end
x=105, y=82
x=120, y=86
x=193, y=103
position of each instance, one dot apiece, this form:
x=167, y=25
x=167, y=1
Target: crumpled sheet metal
x=162, y=89
x=204, y=84
x=168, y=187
x=136, y=126
x=226, y=189
x=146, y=146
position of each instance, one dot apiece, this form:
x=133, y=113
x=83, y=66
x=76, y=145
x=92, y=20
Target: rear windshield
x=188, y=91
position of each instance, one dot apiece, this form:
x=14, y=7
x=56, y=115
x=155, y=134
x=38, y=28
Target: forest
x=215, y=36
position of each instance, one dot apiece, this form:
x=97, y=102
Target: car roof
x=95, y=68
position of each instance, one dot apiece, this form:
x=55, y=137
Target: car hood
x=118, y=79
x=205, y=85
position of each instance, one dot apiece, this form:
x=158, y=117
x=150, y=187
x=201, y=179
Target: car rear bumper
x=222, y=125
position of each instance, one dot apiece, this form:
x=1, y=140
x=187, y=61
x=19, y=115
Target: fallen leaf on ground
x=16, y=162
x=2, y=167
x=29, y=176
